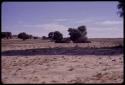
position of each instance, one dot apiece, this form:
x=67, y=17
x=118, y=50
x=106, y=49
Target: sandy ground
x=25, y=63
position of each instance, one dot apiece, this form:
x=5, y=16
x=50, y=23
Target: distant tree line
x=25, y=36
x=57, y=37
x=22, y=35
x=78, y=35
x=6, y=35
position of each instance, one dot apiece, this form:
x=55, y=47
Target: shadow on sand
x=65, y=51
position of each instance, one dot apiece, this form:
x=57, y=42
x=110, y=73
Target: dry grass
x=39, y=61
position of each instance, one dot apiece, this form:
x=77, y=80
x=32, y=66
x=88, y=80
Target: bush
x=65, y=40
x=56, y=36
x=82, y=28
x=35, y=37
x=78, y=35
x=6, y=35
x=50, y=35
x=44, y=37
x=74, y=34
x=23, y=36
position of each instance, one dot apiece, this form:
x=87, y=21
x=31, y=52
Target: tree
x=6, y=35
x=65, y=40
x=74, y=34
x=50, y=35
x=3, y=35
x=83, y=32
x=121, y=8
x=44, y=37
x=35, y=37
x=56, y=36
x=78, y=35
x=82, y=28
x=23, y=36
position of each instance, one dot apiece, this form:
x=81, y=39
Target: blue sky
x=40, y=18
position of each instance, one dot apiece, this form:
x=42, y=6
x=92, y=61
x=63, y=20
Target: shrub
x=50, y=35
x=74, y=34
x=35, y=37
x=6, y=35
x=56, y=36
x=78, y=35
x=44, y=37
x=65, y=40
x=23, y=36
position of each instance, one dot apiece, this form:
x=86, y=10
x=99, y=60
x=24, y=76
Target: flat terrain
x=42, y=61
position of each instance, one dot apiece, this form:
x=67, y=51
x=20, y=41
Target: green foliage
x=78, y=35
x=65, y=40
x=74, y=34
x=6, y=35
x=23, y=36
x=35, y=37
x=82, y=28
x=56, y=36
x=44, y=37
x=50, y=35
